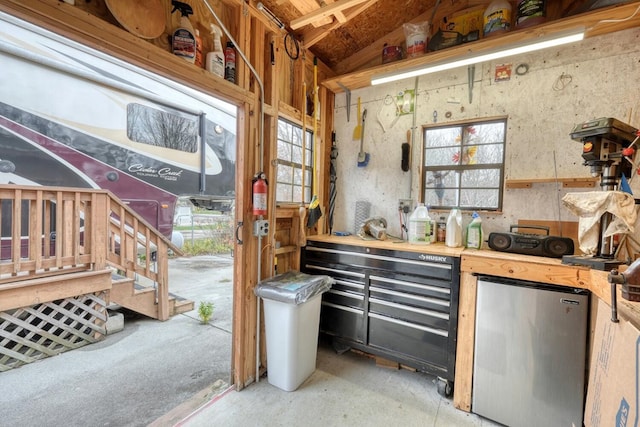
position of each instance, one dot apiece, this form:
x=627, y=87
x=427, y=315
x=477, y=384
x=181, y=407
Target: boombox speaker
x=531, y=244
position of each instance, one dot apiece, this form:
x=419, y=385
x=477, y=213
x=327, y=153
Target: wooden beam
x=312, y=37
x=566, y=182
x=340, y=17
x=324, y=12
x=598, y=22
x=25, y=293
x=465, y=342
x=308, y=6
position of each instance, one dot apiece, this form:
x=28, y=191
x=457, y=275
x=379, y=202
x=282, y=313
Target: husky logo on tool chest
x=434, y=258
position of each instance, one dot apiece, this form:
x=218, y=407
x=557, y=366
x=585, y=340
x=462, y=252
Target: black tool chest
x=401, y=305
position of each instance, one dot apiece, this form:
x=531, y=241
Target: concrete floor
x=176, y=373
x=345, y=390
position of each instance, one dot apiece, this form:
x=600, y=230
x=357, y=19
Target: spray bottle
x=215, y=58
x=183, y=41
x=474, y=232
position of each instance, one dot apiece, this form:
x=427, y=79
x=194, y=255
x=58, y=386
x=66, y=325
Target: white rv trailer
x=72, y=116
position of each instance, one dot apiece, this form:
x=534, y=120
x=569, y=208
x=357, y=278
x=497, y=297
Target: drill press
x=607, y=148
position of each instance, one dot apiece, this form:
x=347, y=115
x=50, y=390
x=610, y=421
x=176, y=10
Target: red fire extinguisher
x=259, y=194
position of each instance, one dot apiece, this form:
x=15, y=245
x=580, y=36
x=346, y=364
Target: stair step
x=183, y=306
x=178, y=304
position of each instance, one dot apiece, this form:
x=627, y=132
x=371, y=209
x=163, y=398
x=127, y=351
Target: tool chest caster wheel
x=445, y=387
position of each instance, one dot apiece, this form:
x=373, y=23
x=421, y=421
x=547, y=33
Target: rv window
x=168, y=129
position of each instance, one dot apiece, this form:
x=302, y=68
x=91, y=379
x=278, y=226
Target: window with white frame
x=294, y=180
x=464, y=165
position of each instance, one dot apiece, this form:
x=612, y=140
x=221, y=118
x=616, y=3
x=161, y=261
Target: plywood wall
x=562, y=87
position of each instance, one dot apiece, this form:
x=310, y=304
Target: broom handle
x=304, y=136
x=315, y=125
x=364, y=115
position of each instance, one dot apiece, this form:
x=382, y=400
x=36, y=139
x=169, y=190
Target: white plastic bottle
x=215, y=58
x=474, y=232
x=454, y=229
x=497, y=17
x=420, y=226
x=183, y=40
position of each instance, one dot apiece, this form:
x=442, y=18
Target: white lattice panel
x=32, y=333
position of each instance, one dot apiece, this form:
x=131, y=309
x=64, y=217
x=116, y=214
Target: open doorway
x=75, y=117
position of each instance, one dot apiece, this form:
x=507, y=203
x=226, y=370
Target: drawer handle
x=410, y=325
x=342, y=307
x=422, y=311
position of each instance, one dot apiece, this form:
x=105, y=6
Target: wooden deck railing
x=49, y=231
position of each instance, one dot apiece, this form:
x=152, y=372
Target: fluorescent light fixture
x=539, y=43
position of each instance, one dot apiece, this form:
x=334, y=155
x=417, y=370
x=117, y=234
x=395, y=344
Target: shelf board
x=286, y=249
x=566, y=182
x=596, y=22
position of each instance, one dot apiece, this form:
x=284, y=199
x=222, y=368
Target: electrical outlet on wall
x=405, y=205
x=261, y=228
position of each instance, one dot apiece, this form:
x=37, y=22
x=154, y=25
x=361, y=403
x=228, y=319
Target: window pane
x=176, y=130
x=463, y=165
x=479, y=199
x=445, y=197
x=296, y=154
x=285, y=173
x=485, y=154
x=289, y=170
x=284, y=151
x=484, y=133
x=297, y=192
x=481, y=178
x=441, y=156
x=441, y=188
x=444, y=137
x=283, y=191
x=296, y=138
x=297, y=176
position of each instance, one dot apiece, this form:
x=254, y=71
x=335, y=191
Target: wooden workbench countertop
x=390, y=244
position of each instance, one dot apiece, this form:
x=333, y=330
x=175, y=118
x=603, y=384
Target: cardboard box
x=612, y=393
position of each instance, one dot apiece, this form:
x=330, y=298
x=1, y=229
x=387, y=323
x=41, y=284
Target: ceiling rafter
x=338, y=15
x=308, y=6
x=324, y=12
x=313, y=36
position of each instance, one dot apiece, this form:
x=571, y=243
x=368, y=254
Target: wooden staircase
x=62, y=242
x=142, y=299
x=67, y=254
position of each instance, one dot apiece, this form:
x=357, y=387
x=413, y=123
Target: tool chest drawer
x=401, y=305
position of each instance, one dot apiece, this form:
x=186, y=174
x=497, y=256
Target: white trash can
x=292, y=316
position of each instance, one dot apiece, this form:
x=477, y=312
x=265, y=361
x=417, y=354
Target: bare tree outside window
x=175, y=130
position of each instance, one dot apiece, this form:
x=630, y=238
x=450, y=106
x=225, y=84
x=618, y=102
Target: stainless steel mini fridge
x=530, y=353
